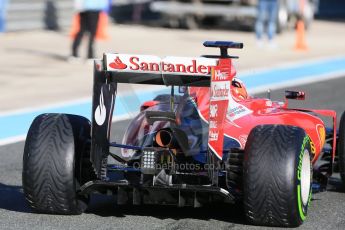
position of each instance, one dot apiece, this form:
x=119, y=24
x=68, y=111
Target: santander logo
x=117, y=64
x=220, y=90
x=153, y=64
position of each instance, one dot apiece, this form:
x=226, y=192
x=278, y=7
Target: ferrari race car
x=207, y=141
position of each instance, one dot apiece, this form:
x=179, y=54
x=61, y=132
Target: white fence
x=38, y=14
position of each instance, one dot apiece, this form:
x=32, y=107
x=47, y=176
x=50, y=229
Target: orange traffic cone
x=75, y=26
x=102, y=33
x=300, y=36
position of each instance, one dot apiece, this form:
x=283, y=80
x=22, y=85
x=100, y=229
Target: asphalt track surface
x=327, y=209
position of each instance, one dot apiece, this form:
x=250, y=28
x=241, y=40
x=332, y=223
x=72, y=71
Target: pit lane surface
x=327, y=209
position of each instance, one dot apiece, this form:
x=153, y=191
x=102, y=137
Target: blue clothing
x=108, y=9
x=3, y=8
x=91, y=5
x=267, y=10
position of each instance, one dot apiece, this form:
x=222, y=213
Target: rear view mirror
x=296, y=95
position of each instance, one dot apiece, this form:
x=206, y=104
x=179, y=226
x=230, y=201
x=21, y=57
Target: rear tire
x=56, y=162
x=277, y=176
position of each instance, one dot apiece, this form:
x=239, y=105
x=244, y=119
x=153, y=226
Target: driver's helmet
x=238, y=89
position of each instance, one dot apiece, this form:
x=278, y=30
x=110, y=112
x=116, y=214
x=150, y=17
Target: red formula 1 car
x=208, y=141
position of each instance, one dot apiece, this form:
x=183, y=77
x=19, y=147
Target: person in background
x=3, y=9
x=89, y=11
x=138, y=7
x=267, y=10
x=51, y=16
x=108, y=9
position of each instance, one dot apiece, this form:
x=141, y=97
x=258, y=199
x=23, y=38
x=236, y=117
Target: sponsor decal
x=219, y=101
x=306, y=140
x=220, y=90
x=117, y=64
x=220, y=76
x=301, y=208
x=213, y=124
x=236, y=110
x=312, y=147
x=322, y=134
x=101, y=111
x=213, y=110
x=183, y=65
x=135, y=64
x=153, y=64
x=269, y=103
x=213, y=136
x=243, y=139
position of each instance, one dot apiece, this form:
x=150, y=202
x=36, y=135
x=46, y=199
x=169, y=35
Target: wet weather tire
x=55, y=163
x=277, y=176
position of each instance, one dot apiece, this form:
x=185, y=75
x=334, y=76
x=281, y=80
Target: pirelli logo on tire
x=304, y=177
x=306, y=141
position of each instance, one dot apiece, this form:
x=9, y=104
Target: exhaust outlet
x=165, y=138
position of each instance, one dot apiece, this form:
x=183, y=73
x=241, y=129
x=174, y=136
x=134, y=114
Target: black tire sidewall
x=75, y=131
x=82, y=135
x=81, y=127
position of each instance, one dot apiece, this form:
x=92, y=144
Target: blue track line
x=290, y=74
x=18, y=124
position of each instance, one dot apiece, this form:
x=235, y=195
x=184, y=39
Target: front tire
x=277, y=176
x=55, y=164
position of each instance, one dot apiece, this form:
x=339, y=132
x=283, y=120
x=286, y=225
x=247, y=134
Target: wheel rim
x=305, y=177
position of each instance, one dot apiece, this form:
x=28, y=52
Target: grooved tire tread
x=269, y=169
x=48, y=166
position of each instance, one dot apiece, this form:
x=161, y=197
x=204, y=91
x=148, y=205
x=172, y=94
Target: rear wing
x=206, y=71
x=178, y=71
